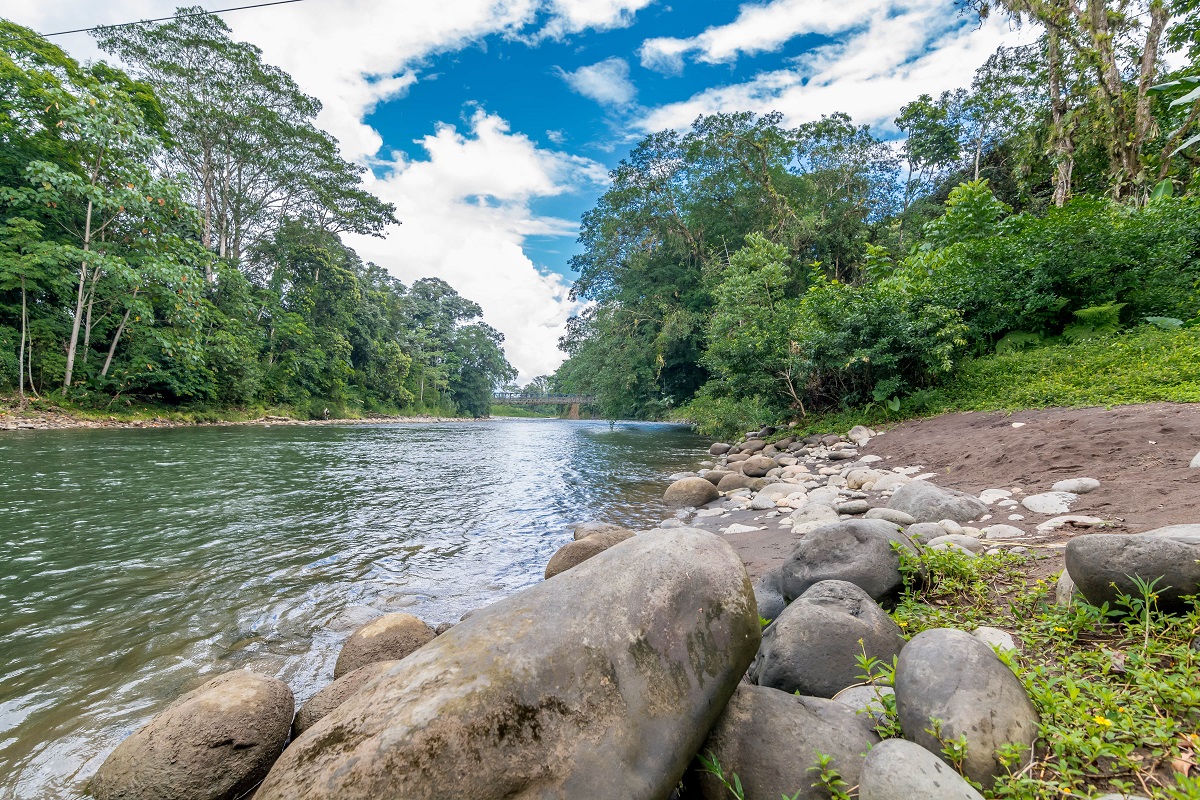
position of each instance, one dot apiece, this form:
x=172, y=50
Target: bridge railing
x=518, y=398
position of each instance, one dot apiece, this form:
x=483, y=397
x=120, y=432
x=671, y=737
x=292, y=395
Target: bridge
x=573, y=401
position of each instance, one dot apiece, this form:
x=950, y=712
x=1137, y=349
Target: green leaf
x=1165, y=188
x=1187, y=99
x=1166, y=323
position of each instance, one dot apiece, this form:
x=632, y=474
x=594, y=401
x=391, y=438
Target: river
x=135, y=564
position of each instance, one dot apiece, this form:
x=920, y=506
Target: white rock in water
x=1077, y=485
x=1050, y=502
x=990, y=496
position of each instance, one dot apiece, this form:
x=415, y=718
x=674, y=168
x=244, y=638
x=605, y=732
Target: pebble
x=1077, y=485
x=854, y=507
x=990, y=496
x=739, y=528
x=873, y=459
x=1007, y=503
x=1050, y=502
x=1077, y=520
x=1016, y=517
x=704, y=512
x=1003, y=532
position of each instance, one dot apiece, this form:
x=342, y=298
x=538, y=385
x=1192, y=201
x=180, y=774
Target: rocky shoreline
x=743, y=646
x=55, y=420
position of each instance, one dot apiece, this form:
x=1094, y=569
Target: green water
x=134, y=564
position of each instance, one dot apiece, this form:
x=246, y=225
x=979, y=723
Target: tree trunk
x=1064, y=146
x=87, y=321
x=117, y=336
x=83, y=273
x=21, y=355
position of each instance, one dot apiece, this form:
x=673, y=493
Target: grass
x=1117, y=689
x=1142, y=365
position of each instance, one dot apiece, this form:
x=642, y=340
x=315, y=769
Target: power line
x=162, y=19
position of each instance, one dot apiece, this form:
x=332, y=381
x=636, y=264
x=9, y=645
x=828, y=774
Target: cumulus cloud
x=606, y=82
x=466, y=212
x=891, y=53
x=573, y=16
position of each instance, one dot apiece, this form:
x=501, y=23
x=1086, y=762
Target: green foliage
x=827, y=778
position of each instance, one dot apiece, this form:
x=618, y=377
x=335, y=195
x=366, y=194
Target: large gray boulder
x=574, y=553
x=925, y=502
x=897, y=769
x=859, y=551
x=949, y=675
x=735, y=480
x=769, y=739
x=758, y=466
x=213, y=743
x=586, y=529
x=814, y=645
x=389, y=638
x=718, y=449
x=608, y=676
x=768, y=596
x=714, y=476
x=337, y=693
x=1103, y=564
x=690, y=492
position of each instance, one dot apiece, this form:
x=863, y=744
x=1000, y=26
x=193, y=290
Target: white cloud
x=573, y=16
x=466, y=213
x=892, y=51
x=606, y=82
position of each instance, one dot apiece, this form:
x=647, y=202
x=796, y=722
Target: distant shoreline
x=13, y=420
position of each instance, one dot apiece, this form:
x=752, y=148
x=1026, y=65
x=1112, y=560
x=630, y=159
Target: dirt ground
x=1140, y=454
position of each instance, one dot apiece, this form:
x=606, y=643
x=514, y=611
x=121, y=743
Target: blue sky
x=491, y=124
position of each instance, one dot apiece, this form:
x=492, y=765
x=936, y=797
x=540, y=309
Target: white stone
x=989, y=496
x=870, y=459
x=1077, y=485
x=736, y=528
x=1050, y=502
x=1196, y=462
x=907, y=470
x=763, y=503
x=1078, y=520
x=924, y=476
x=950, y=526
x=1003, y=532
x=1018, y=424
x=1007, y=503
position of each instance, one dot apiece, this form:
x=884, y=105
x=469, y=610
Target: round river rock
x=389, y=638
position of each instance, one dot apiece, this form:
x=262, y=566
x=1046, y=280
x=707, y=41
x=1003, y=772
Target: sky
x=492, y=124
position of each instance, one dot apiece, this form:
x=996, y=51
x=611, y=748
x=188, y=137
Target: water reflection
x=137, y=564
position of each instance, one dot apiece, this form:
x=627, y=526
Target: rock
x=890, y=481
x=950, y=526
x=812, y=515
x=924, y=532
x=673, y=522
x=995, y=638
x=967, y=543
x=830, y=439
x=854, y=507
x=1195, y=462
x=758, y=466
x=442, y=627
x=734, y=481
x=858, y=478
x=768, y=596
x=735, y=458
x=678, y=476
x=1003, y=532
x=925, y=502
x=752, y=446
x=391, y=637
x=1050, y=502
x=842, y=455
x=608, y=676
x=335, y=694
x=739, y=528
x=950, y=675
x=891, y=515
x=989, y=496
x=769, y=739
x=718, y=449
x=1103, y=564
x=714, y=476
x=958, y=548
x=859, y=434
x=1074, y=520
x=777, y=490
x=1065, y=590
x=575, y=553
x=586, y=529
x=813, y=646
x=858, y=551
x=900, y=770
x=866, y=702
x=1077, y=485
x=213, y=743
x=762, y=502
x=693, y=492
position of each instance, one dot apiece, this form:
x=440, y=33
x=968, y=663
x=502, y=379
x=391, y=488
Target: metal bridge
x=518, y=399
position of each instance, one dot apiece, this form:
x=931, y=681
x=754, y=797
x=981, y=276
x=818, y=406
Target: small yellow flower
x=902, y=624
x=1061, y=630
x=1105, y=721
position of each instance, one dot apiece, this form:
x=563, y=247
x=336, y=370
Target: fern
x=1014, y=341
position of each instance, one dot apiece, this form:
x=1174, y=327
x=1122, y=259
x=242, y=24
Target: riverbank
x=13, y=419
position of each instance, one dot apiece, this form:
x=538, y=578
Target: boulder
x=951, y=676
x=853, y=507
x=214, y=743
x=859, y=434
x=714, y=476
x=574, y=553
x=813, y=515
x=768, y=596
x=889, y=481
x=924, y=532
x=858, y=478
x=777, y=490
x=867, y=701
x=586, y=529
x=442, y=627
x=758, y=466
x=608, y=676
x=925, y=502
x=859, y=551
x=752, y=446
x=1103, y=564
x=335, y=694
x=389, y=638
x=900, y=770
x=735, y=458
x=812, y=648
x=891, y=515
x=734, y=481
x=718, y=449
x=1003, y=532
x=968, y=543
x=690, y=492
x=769, y=739
x=1077, y=485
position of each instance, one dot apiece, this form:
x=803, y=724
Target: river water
x=136, y=564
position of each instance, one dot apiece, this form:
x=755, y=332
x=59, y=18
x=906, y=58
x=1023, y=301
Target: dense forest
x=747, y=270
x=170, y=233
